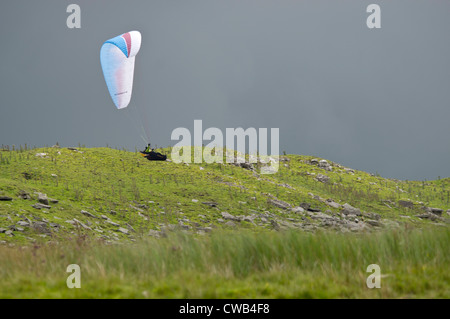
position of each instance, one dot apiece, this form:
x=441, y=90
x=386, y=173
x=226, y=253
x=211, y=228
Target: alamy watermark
x=213, y=152
x=374, y=280
x=74, y=279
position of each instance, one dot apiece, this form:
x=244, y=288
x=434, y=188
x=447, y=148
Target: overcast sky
x=374, y=100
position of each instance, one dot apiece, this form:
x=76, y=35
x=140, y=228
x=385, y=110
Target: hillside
x=117, y=195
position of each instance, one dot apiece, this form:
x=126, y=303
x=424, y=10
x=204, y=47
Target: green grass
x=249, y=260
x=414, y=264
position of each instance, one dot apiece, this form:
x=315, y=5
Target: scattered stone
x=348, y=209
x=325, y=165
x=297, y=210
x=374, y=223
x=437, y=211
x=41, y=227
x=41, y=155
x=40, y=206
x=24, y=195
x=228, y=216
x=123, y=230
x=279, y=203
x=275, y=225
x=81, y=224
x=405, y=203
x=429, y=216
x=332, y=203
x=42, y=198
x=104, y=217
x=88, y=214
x=195, y=200
x=130, y=227
x=23, y=223
x=112, y=223
x=2, y=230
x=322, y=178
x=212, y=204
x=5, y=198
x=372, y=216
x=230, y=223
x=154, y=233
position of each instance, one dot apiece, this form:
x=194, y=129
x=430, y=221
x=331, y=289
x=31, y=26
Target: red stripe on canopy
x=127, y=38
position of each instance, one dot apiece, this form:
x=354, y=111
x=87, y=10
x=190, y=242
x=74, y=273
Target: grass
x=248, y=260
x=243, y=264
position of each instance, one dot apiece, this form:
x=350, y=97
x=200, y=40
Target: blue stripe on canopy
x=120, y=43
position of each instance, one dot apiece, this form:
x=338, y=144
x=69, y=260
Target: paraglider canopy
x=117, y=57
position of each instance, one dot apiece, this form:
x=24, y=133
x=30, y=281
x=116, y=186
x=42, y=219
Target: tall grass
x=414, y=263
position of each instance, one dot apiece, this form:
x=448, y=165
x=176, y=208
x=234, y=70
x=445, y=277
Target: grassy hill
x=219, y=224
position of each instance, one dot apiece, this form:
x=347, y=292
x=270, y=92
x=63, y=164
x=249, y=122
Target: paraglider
x=117, y=57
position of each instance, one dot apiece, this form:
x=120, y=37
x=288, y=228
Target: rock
x=104, y=217
x=297, y=210
x=322, y=178
x=374, y=223
x=123, y=230
x=228, y=216
x=82, y=225
x=41, y=155
x=314, y=161
x=40, y=206
x=212, y=204
x=405, y=203
x=42, y=198
x=73, y=149
x=41, y=227
x=5, y=198
x=154, y=233
x=24, y=195
x=130, y=227
x=230, y=223
x=23, y=223
x=437, y=211
x=348, y=209
x=2, y=230
x=429, y=216
x=88, y=214
x=279, y=203
x=320, y=215
x=275, y=225
x=332, y=203
x=112, y=223
x=195, y=200
x=9, y=233
x=372, y=216
x=305, y=206
x=325, y=165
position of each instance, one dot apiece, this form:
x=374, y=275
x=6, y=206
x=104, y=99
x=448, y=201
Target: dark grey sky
x=375, y=100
